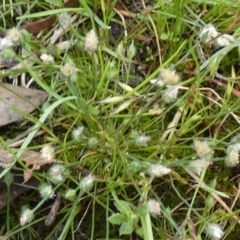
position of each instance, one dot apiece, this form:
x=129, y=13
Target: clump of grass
x=142, y=121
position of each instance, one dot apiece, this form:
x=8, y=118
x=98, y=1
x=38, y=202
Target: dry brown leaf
x=14, y=99
x=32, y=159
x=54, y=209
x=16, y=189
x=38, y=26
x=35, y=159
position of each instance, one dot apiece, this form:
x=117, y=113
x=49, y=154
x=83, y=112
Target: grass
x=125, y=125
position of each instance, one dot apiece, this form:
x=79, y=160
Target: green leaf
x=117, y=218
x=139, y=232
x=123, y=207
x=126, y=228
x=142, y=210
x=56, y=3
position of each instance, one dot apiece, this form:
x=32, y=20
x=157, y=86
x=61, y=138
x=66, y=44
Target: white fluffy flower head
x=223, y=40
x=153, y=207
x=26, y=216
x=14, y=35
x=232, y=158
x=86, y=183
x=47, y=152
x=170, y=94
x=208, y=33
x=202, y=149
x=64, y=20
x=214, y=230
x=68, y=70
x=55, y=173
x=46, y=191
x=47, y=58
x=158, y=170
x=198, y=165
x=166, y=77
x=77, y=133
x=169, y=77
x=142, y=140
x=91, y=41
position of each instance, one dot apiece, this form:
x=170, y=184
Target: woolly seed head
x=202, y=149
x=223, y=40
x=14, y=35
x=169, y=77
x=77, y=133
x=26, y=216
x=214, y=230
x=47, y=152
x=64, y=20
x=142, y=140
x=198, y=165
x=47, y=58
x=68, y=70
x=55, y=173
x=56, y=169
x=153, y=207
x=232, y=158
x=91, y=42
x=170, y=94
x=46, y=191
x=157, y=82
x=158, y=170
x=86, y=183
x=208, y=33
x=5, y=43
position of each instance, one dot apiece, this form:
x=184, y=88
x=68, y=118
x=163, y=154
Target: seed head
x=26, y=216
x=47, y=58
x=68, y=70
x=64, y=20
x=120, y=50
x=170, y=93
x=131, y=51
x=223, y=40
x=232, y=158
x=86, y=183
x=46, y=191
x=91, y=41
x=169, y=77
x=208, y=33
x=77, y=133
x=202, y=149
x=214, y=230
x=55, y=173
x=142, y=140
x=158, y=82
x=153, y=207
x=47, y=152
x=158, y=170
x=5, y=43
x=14, y=35
x=198, y=165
